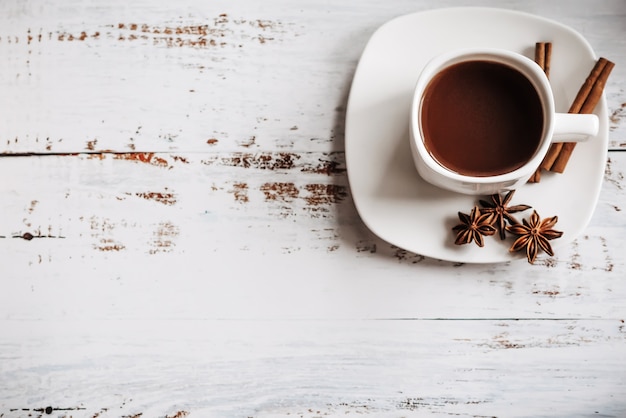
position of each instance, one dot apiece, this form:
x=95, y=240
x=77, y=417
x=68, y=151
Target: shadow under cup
x=481, y=118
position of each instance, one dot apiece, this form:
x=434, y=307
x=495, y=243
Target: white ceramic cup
x=557, y=127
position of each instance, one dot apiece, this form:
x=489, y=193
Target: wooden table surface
x=178, y=235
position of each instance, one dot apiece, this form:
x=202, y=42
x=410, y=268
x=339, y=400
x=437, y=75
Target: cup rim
x=515, y=60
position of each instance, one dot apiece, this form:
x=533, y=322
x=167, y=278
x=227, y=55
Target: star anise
x=534, y=234
x=473, y=227
x=498, y=206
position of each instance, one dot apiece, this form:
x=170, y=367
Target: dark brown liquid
x=481, y=118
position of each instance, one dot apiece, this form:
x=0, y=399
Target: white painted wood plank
x=311, y=369
x=81, y=76
x=268, y=238
x=230, y=275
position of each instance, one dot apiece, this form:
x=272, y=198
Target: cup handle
x=573, y=127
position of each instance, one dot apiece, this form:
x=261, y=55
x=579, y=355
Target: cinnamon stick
x=536, y=176
x=585, y=102
x=540, y=54
x=543, y=58
x=547, y=58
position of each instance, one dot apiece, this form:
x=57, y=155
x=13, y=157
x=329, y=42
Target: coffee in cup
x=481, y=118
x=482, y=121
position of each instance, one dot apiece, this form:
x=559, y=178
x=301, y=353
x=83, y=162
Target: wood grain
x=178, y=236
x=165, y=81
x=383, y=368
x=201, y=227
